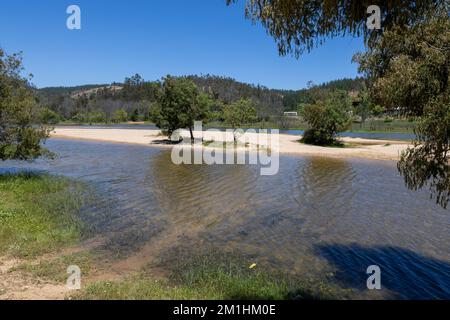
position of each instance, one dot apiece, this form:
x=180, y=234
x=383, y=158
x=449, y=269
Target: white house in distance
x=291, y=114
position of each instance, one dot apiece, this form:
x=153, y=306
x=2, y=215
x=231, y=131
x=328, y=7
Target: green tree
x=364, y=106
x=80, y=117
x=152, y=109
x=96, y=116
x=409, y=69
x=20, y=132
x=239, y=113
x=179, y=105
x=216, y=110
x=326, y=119
x=377, y=110
x=300, y=26
x=120, y=115
x=135, y=115
x=48, y=116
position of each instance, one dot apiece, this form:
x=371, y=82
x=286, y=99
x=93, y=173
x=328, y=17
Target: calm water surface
x=317, y=215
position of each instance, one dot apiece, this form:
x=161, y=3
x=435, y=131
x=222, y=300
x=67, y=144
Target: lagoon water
x=316, y=216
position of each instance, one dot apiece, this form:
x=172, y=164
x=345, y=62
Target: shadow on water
x=406, y=274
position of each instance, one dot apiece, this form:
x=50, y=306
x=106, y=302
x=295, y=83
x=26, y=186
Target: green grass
x=214, y=276
x=56, y=269
x=381, y=126
x=38, y=213
x=139, y=287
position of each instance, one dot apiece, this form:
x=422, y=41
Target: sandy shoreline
x=288, y=144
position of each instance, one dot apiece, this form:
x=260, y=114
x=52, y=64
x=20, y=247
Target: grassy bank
x=383, y=126
x=38, y=213
x=55, y=269
x=213, y=276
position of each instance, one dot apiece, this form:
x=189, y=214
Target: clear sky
x=159, y=37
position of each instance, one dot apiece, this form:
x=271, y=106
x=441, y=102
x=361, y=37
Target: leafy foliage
x=179, y=105
x=427, y=163
x=293, y=99
x=299, y=26
x=365, y=106
x=239, y=113
x=409, y=66
x=327, y=118
x=20, y=136
x=120, y=115
x=409, y=69
x=266, y=101
x=48, y=116
x=136, y=93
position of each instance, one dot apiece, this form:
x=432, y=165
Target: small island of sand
x=288, y=144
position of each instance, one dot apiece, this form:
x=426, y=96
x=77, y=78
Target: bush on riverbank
x=38, y=213
x=326, y=119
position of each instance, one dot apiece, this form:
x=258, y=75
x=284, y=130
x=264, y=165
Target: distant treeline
x=133, y=99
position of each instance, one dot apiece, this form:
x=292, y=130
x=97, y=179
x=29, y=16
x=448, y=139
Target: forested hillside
x=316, y=92
x=98, y=103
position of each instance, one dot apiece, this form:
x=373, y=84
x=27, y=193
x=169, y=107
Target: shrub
x=326, y=119
x=120, y=115
x=20, y=133
x=48, y=116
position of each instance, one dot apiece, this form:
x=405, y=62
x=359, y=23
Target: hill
x=135, y=95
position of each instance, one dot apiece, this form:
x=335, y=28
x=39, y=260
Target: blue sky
x=159, y=37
